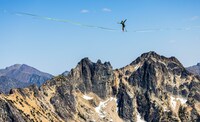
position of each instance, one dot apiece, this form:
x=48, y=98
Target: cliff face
x=151, y=88
x=93, y=77
x=161, y=89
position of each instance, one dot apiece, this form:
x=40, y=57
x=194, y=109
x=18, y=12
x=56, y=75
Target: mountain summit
x=151, y=88
x=21, y=75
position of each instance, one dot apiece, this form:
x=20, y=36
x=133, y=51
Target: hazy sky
x=54, y=47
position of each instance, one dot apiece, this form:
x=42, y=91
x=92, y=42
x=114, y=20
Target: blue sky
x=54, y=47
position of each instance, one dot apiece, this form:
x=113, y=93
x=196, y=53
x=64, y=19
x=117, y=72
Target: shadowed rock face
x=125, y=103
x=155, y=81
x=9, y=113
x=93, y=77
x=151, y=88
x=64, y=101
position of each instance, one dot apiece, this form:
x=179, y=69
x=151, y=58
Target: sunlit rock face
x=151, y=88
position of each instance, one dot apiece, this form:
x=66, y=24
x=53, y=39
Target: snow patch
x=174, y=101
x=116, y=102
x=99, y=109
x=87, y=97
x=139, y=118
x=182, y=100
x=136, y=67
x=165, y=109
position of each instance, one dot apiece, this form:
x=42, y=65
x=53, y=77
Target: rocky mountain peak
x=28, y=69
x=152, y=88
x=15, y=66
x=99, y=61
x=150, y=54
x=93, y=77
x=198, y=64
x=85, y=60
x=3, y=72
x=153, y=57
x=18, y=67
x=24, y=66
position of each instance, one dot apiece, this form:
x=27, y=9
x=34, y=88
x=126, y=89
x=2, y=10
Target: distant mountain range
x=65, y=73
x=21, y=75
x=194, y=69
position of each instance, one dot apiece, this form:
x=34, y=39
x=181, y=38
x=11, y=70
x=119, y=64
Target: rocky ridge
x=151, y=88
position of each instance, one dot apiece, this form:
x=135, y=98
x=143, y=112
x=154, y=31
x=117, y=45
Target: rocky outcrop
x=93, y=77
x=64, y=102
x=151, y=88
x=9, y=113
x=125, y=103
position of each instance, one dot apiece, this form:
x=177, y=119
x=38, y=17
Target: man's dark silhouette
x=123, y=24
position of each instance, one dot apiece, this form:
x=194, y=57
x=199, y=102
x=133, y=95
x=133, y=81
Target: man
x=123, y=24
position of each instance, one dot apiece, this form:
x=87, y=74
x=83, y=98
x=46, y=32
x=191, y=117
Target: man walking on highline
x=123, y=24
